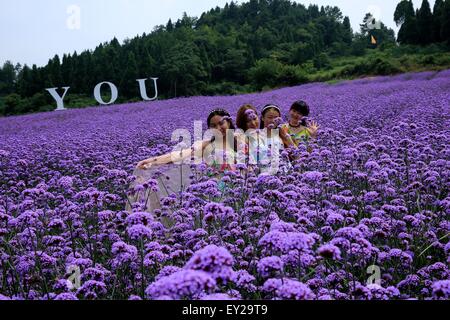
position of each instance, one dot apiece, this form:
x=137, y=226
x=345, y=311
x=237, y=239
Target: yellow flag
x=373, y=40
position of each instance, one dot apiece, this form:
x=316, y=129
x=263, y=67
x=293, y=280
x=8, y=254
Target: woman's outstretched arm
x=174, y=156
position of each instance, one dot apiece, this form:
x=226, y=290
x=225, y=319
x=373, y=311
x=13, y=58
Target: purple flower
x=244, y=280
x=217, y=296
x=288, y=289
x=65, y=182
x=370, y=196
x=124, y=254
x=139, y=232
x=66, y=296
x=313, y=176
x=217, y=261
x=269, y=266
x=218, y=211
x=97, y=274
x=182, y=284
x=372, y=165
x=154, y=258
x=143, y=218
x=441, y=289
x=329, y=251
x=167, y=271
x=377, y=292
x=349, y=233
x=393, y=255
x=447, y=251
x=285, y=241
x=334, y=219
x=92, y=289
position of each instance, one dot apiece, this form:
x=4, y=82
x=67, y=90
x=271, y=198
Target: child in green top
x=299, y=130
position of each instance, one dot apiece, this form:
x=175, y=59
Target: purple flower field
x=365, y=215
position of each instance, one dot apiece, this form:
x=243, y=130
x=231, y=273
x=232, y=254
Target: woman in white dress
x=218, y=152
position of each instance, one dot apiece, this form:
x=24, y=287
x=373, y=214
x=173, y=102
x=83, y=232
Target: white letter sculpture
x=143, y=89
x=59, y=100
x=98, y=96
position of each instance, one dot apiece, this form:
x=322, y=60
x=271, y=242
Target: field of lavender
x=365, y=215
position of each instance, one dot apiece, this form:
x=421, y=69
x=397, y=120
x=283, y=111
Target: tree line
x=239, y=48
x=422, y=26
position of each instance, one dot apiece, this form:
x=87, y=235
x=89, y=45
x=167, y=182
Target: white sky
x=33, y=31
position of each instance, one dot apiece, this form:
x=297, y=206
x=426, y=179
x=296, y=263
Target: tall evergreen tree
x=405, y=18
x=54, y=71
x=169, y=26
x=348, y=32
x=66, y=69
x=424, y=23
x=7, y=78
x=403, y=11
x=445, y=27
x=313, y=11
x=37, y=80
x=128, y=83
x=24, y=85
x=436, y=26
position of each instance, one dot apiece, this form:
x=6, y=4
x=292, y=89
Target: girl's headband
x=270, y=106
x=219, y=110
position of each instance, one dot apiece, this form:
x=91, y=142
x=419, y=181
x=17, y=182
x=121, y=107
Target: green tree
x=169, y=26
x=347, y=31
x=405, y=18
x=52, y=73
x=445, y=28
x=302, y=52
x=321, y=61
x=184, y=69
x=128, y=84
x=403, y=11
x=234, y=65
x=12, y=103
x=265, y=72
x=424, y=23
x=436, y=26
x=8, y=78
x=24, y=82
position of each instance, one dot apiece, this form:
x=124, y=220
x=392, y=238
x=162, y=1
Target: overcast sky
x=33, y=31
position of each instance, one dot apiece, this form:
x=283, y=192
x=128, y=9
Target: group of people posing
x=254, y=140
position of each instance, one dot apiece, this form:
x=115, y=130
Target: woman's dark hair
x=301, y=107
x=241, y=118
x=266, y=109
x=222, y=113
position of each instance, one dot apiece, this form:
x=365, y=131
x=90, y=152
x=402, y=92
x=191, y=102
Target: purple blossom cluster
x=371, y=193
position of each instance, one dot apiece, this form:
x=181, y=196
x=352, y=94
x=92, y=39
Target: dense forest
x=254, y=46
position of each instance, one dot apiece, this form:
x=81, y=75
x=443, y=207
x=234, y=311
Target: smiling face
x=247, y=118
x=219, y=123
x=270, y=116
x=296, y=116
x=253, y=123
